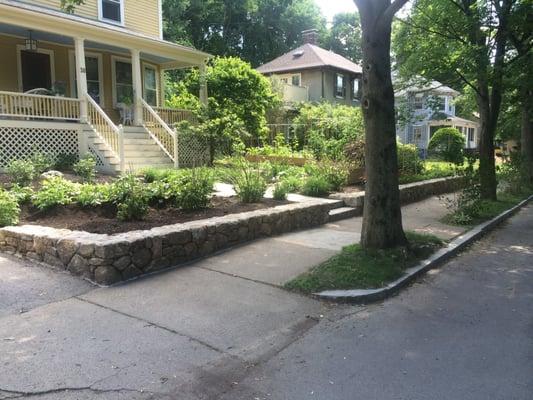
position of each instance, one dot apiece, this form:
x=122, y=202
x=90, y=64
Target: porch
x=60, y=73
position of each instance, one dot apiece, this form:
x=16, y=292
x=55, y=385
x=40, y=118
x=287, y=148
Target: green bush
x=93, y=195
x=196, y=188
x=42, y=162
x=131, y=196
x=55, y=191
x=447, y=144
x=9, y=209
x=23, y=194
x=316, y=186
x=280, y=192
x=409, y=162
x=21, y=172
x=336, y=174
x=249, y=183
x=327, y=128
x=86, y=168
x=65, y=161
x=153, y=174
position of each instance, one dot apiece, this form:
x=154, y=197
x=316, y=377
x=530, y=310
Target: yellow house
x=90, y=81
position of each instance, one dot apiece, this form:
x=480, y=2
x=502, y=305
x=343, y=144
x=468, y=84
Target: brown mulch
x=103, y=220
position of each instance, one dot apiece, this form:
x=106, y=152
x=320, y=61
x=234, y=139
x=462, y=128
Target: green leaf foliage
x=447, y=144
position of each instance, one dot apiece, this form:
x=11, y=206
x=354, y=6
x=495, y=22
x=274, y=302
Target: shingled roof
x=306, y=57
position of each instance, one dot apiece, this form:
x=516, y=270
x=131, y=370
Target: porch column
x=81, y=76
x=162, y=89
x=203, y=84
x=137, y=86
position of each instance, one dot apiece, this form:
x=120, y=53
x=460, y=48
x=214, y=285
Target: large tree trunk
x=526, y=137
x=382, y=217
x=487, y=165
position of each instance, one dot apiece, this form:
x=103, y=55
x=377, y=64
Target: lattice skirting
x=192, y=151
x=20, y=140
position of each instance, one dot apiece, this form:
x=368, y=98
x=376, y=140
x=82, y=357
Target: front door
x=36, y=71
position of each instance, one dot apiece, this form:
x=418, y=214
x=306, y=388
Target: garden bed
x=103, y=219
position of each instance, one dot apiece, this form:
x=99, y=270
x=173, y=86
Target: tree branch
x=391, y=10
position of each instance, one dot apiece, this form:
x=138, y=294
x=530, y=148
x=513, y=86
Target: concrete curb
x=441, y=256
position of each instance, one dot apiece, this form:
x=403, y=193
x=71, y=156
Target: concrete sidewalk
x=165, y=335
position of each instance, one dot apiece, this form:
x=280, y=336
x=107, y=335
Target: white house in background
x=427, y=108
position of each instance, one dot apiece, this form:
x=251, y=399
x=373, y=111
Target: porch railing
x=159, y=130
x=174, y=115
x=33, y=106
x=111, y=134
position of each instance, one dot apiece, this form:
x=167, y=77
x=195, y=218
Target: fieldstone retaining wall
x=107, y=259
x=409, y=193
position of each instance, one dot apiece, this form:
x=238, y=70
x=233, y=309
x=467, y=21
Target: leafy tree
x=448, y=144
x=462, y=42
x=344, y=36
x=382, y=217
x=255, y=30
x=239, y=100
x=70, y=5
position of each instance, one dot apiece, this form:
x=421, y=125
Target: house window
x=150, y=85
x=441, y=103
x=111, y=10
x=471, y=134
x=123, y=82
x=355, y=89
x=93, y=68
x=295, y=80
x=417, y=133
x=340, y=90
x=419, y=102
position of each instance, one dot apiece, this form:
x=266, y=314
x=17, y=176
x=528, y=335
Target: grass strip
x=356, y=268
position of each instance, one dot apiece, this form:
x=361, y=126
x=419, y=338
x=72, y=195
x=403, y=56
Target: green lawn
x=355, y=268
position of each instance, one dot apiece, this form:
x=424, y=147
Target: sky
x=331, y=7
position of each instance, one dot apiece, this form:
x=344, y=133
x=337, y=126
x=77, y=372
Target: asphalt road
x=222, y=329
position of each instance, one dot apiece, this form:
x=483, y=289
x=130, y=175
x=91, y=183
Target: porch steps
x=140, y=151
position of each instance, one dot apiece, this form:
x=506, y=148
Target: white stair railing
x=112, y=135
x=174, y=115
x=160, y=132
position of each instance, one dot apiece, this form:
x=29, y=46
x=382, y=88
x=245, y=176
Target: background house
x=311, y=73
x=68, y=80
x=423, y=109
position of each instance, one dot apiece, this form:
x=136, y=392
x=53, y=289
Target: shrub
x=327, y=128
x=9, y=209
x=21, y=172
x=93, y=195
x=409, y=162
x=335, y=174
x=22, y=194
x=55, y=191
x=152, y=174
x=447, y=144
x=86, y=168
x=316, y=186
x=42, y=162
x=280, y=192
x=249, y=183
x=354, y=153
x=65, y=161
x=131, y=197
x=195, y=191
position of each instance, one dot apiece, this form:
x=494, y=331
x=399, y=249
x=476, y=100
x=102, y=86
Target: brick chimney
x=310, y=36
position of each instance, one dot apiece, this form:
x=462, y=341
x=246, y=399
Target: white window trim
x=114, y=59
x=337, y=74
x=111, y=21
x=72, y=69
x=20, y=49
x=154, y=67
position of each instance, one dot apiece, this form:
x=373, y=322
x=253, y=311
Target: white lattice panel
x=20, y=141
x=192, y=151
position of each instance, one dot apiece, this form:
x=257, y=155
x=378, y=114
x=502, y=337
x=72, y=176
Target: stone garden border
x=107, y=259
x=409, y=193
